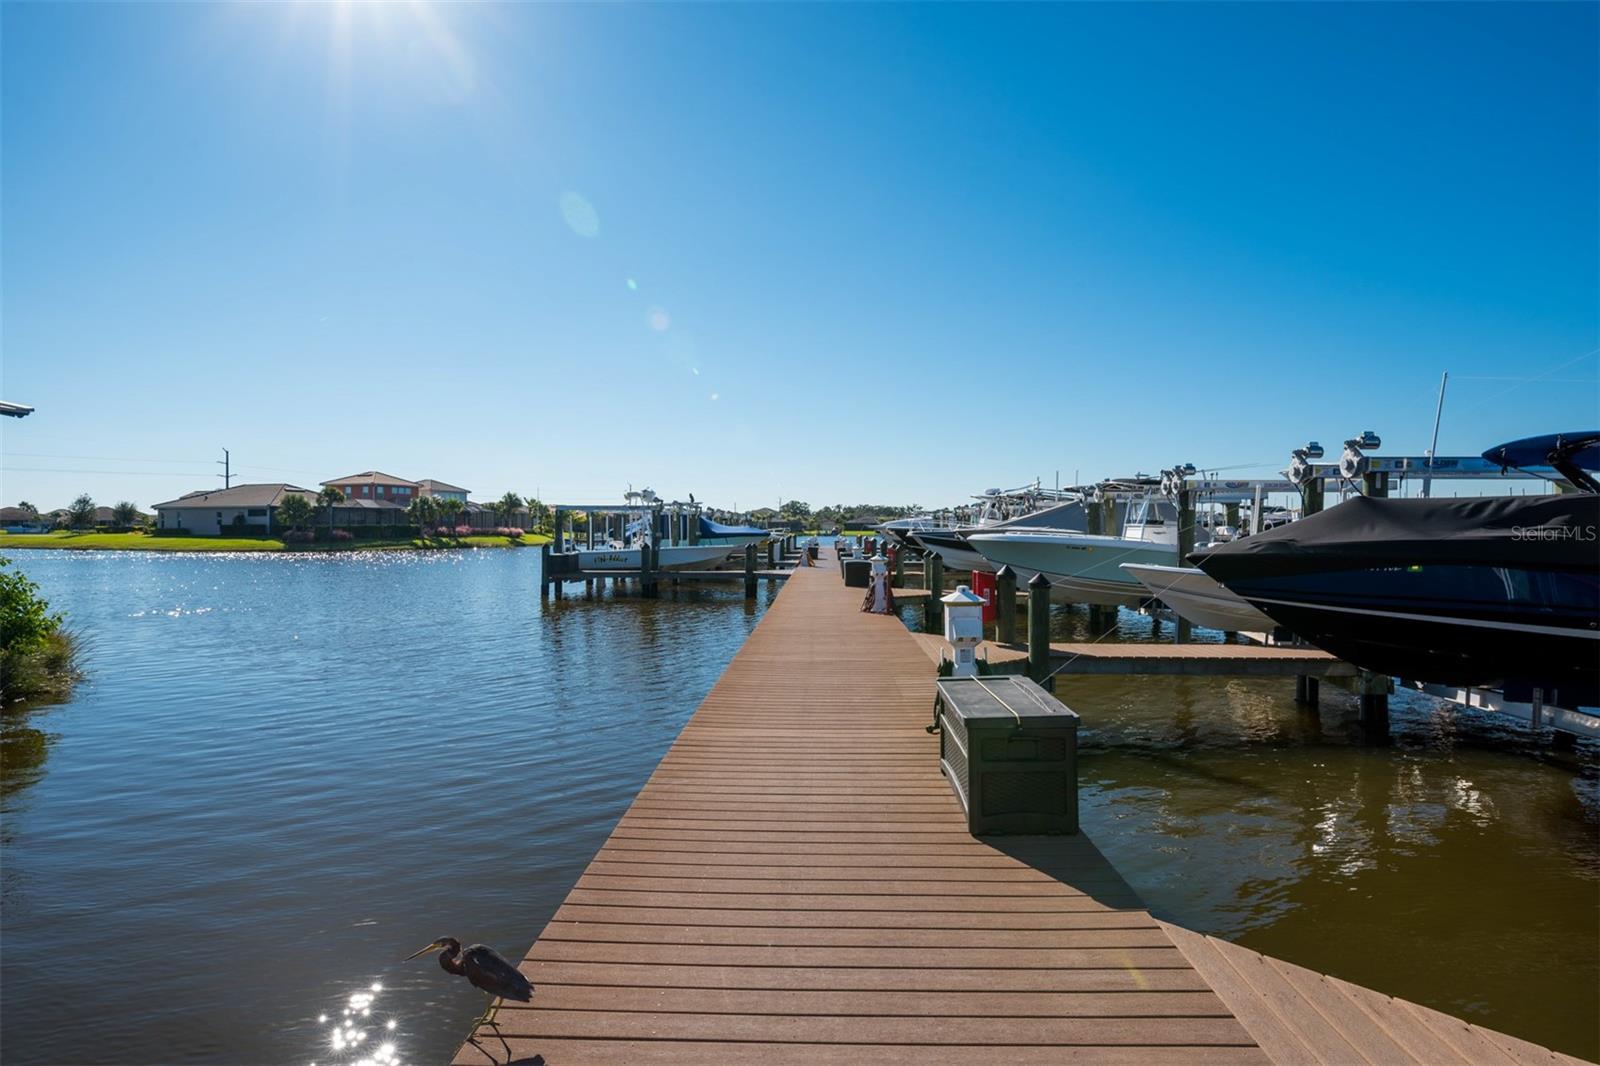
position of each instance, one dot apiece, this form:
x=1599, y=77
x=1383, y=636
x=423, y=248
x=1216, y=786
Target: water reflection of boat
x=1469, y=591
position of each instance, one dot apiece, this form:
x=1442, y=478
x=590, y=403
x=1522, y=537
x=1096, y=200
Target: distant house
x=376, y=485
x=441, y=490
x=241, y=509
x=763, y=514
x=368, y=513
x=18, y=520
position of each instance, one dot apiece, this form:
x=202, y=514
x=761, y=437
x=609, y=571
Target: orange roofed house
x=376, y=485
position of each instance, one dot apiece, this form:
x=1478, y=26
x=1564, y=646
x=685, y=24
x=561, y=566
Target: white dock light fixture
x=963, y=629
x=880, y=584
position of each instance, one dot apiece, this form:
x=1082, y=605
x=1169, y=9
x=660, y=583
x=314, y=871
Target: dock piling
x=933, y=610
x=1185, y=547
x=1039, y=629
x=749, y=571
x=1005, y=592
x=647, y=570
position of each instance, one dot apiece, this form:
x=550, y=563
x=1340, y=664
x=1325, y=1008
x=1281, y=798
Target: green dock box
x=857, y=573
x=1010, y=751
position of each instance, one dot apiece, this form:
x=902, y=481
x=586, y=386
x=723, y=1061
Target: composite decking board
x=557, y=1052
x=795, y=883
x=678, y=999
x=997, y=1032
x=804, y=901
x=834, y=937
x=833, y=919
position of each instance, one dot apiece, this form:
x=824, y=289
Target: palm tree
x=329, y=498
x=507, y=505
x=421, y=512
x=538, y=514
x=295, y=510
x=450, y=510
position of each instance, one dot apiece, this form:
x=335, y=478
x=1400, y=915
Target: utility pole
x=227, y=471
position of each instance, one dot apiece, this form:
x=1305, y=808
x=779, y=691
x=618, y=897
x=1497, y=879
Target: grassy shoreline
x=86, y=541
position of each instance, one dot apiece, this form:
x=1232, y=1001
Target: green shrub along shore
x=86, y=541
x=37, y=652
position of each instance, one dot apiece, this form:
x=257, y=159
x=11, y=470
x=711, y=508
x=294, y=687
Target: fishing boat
x=1200, y=598
x=1085, y=567
x=1464, y=591
x=1030, y=507
x=668, y=526
x=901, y=529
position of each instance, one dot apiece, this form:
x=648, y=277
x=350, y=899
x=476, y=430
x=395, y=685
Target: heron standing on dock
x=485, y=969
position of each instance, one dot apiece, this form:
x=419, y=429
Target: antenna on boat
x=1438, y=412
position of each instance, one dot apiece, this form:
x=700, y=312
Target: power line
x=66, y=470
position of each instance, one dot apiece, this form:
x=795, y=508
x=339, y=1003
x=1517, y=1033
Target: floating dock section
x=796, y=884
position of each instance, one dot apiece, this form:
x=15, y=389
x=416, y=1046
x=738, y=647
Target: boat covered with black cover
x=1460, y=591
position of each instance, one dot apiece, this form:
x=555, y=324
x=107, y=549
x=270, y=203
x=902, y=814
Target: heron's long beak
x=437, y=945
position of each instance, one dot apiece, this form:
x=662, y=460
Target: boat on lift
x=1030, y=507
x=733, y=537
x=1086, y=567
x=901, y=529
x=1463, y=591
x=1200, y=598
x=666, y=525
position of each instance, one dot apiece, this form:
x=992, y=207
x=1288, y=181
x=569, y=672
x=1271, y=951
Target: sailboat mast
x=1433, y=447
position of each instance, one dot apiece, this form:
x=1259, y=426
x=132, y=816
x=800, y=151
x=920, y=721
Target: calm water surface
x=284, y=774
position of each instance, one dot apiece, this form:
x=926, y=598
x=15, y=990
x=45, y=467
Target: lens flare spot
x=633, y=286
x=659, y=320
x=716, y=396
x=580, y=215
x=695, y=371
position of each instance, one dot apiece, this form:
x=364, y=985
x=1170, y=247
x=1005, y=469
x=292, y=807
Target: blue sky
x=840, y=253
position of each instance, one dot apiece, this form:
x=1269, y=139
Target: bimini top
x=709, y=528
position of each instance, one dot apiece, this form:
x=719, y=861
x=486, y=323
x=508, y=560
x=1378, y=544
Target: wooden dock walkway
x=795, y=884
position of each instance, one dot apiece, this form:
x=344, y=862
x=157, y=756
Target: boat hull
x=1080, y=568
x=1460, y=592
x=953, y=550
x=672, y=557
x=1200, y=598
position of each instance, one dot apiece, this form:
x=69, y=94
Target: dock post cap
x=1039, y=581
x=1005, y=571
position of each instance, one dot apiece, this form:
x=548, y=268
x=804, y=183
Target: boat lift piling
x=1186, y=519
x=1005, y=593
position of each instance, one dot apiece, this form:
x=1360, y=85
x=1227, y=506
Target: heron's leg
x=489, y=1015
